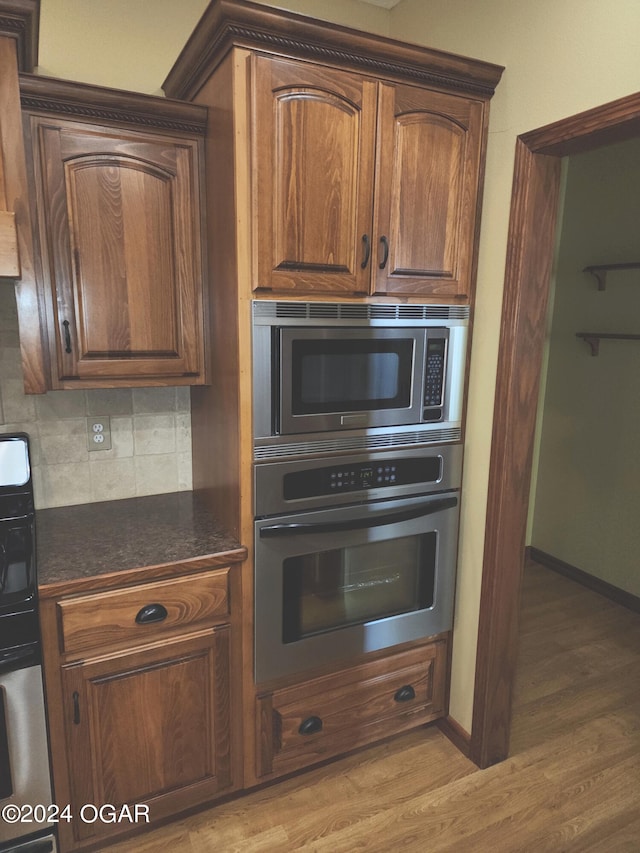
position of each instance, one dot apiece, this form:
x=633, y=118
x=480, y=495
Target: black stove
x=24, y=755
x=19, y=638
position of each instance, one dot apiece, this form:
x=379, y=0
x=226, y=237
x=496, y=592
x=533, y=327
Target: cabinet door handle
x=76, y=708
x=405, y=694
x=385, y=256
x=67, y=336
x=310, y=726
x=367, y=251
x=151, y=613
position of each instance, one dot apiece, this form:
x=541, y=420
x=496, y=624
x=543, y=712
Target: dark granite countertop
x=103, y=540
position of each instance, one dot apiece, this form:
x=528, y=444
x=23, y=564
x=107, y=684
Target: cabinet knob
x=310, y=726
x=405, y=694
x=151, y=613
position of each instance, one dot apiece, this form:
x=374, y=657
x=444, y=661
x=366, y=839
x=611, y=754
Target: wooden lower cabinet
x=140, y=720
x=150, y=726
x=323, y=717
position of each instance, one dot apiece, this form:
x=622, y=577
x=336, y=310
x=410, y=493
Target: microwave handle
x=296, y=529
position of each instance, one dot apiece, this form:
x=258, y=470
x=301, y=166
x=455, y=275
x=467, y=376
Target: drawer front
x=317, y=719
x=143, y=612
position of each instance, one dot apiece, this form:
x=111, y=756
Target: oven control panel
x=350, y=477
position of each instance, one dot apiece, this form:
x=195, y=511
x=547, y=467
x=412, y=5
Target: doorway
x=584, y=501
x=531, y=240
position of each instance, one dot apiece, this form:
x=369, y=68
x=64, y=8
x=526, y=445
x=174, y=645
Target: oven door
x=24, y=756
x=337, y=583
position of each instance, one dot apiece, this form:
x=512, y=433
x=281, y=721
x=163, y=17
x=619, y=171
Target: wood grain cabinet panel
x=19, y=27
x=142, y=713
x=148, y=725
x=116, y=185
x=363, y=186
x=313, y=146
x=326, y=716
x=144, y=612
x=428, y=169
x=119, y=225
x=12, y=189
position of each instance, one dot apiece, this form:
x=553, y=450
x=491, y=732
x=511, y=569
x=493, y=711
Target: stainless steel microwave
x=356, y=375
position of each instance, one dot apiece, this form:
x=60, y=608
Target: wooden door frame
x=531, y=242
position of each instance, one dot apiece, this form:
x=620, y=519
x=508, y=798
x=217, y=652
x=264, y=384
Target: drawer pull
x=405, y=694
x=310, y=726
x=151, y=613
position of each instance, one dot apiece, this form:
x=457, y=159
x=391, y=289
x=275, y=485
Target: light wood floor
x=572, y=782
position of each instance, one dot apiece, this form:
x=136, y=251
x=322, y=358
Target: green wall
x=587, y=499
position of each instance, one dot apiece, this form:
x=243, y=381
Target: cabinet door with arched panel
x=313, y=147
x=427, y=190
x=119, y=230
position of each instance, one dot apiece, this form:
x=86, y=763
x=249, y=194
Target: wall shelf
x=594, y=338
x=599, y=272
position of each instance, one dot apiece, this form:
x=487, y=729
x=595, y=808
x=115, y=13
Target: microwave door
x=336, y=379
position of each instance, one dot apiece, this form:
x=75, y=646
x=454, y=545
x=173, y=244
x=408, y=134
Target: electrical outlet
x=99, y=433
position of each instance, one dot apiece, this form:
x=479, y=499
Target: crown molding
x=81, y=101
x=238, y=23
x=20, y=21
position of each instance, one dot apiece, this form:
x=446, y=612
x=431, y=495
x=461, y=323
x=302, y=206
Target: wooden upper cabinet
x=427, y=177
x=10, y=112
x=119, y=230
x=19, y=26
x=19, y=23
x=313, y=145
x=362, y=186
x=119, y=218
x=353, y=163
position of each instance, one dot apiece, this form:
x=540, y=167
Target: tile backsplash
x=150, y=432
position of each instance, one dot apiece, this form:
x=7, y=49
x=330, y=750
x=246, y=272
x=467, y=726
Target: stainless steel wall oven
x=353, y=553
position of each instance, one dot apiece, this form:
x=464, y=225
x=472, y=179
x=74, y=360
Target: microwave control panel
x=361, y=476
x=435, y=361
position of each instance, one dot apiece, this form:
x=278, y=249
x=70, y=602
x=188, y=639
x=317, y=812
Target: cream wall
x=132, y=44
x=561, y=58
x=587, y=501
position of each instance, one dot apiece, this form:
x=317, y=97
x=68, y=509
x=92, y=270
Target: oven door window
x=351, y=375
x=328, y=590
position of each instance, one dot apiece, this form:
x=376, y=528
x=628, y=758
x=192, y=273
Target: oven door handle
x=296, y=529
x=19, y=658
